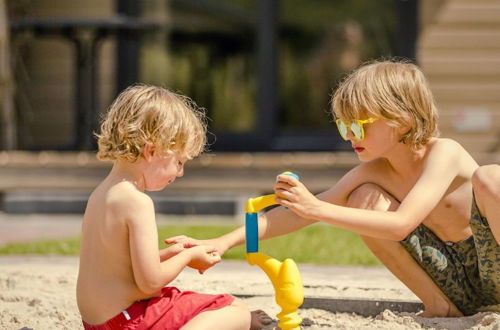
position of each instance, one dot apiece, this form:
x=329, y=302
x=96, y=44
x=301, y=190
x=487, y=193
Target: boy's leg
x=485, y=224
x=233, y=317
x=486, y=184
x=395, y=257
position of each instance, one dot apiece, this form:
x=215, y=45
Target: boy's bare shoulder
x=447, y=144
x=124, y=198
x=448, y=150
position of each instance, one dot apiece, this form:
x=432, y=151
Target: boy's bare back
x=106, y=278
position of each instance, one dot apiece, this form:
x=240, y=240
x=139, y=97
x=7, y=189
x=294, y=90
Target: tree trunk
x=8, y=121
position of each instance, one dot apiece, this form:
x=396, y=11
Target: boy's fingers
x=282, y=186
x=283, y=202
x=186, y=241
x=215, y=261
x=175, y=239
x=281, y=192
x=288, y=179
x=211, y=249
x=285, y=195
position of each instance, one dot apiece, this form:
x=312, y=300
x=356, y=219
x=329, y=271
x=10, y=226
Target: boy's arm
x=149, y=273
x=276, y=222
x=273, y=223
x=171, y=251
x=440, y=169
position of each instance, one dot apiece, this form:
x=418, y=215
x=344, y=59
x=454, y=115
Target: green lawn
x=317, y=244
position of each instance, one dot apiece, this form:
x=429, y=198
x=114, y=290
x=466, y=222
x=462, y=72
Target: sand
x=39, y=293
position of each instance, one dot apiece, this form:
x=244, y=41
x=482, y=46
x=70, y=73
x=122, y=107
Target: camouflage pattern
x=468, y=271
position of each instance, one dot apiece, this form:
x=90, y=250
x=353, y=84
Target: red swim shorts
x=170, y=311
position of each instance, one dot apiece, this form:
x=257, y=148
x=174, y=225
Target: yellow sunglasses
x=355, y=126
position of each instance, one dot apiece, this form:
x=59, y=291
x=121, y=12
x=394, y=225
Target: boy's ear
x=148, y=151
x=404, y=129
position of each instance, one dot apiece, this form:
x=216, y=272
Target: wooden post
x=8, y=118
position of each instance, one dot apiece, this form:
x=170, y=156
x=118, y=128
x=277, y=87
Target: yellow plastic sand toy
x=284, y=276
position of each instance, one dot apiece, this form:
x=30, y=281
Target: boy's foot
x=259, y=319
x=447, y=310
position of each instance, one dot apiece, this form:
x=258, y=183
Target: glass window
x=209, y=52
x=319, y=42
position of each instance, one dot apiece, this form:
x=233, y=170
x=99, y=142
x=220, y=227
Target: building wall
x=459, y=50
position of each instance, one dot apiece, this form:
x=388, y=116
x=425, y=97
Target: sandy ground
x=39, y=293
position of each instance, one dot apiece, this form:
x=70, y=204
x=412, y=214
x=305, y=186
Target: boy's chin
x=365, y=159
x=157, y=188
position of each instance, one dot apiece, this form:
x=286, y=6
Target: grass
x=317, y=244
x=69, y=246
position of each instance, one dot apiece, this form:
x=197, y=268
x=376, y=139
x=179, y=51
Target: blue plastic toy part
x=292, y=175
x=252, y=232
x=253, y=206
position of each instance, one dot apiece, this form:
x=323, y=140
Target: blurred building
x=264, y=70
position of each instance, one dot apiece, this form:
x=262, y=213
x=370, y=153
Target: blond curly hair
x=148, y=114
x=393, y=90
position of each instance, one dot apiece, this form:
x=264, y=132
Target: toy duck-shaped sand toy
x=284, y=276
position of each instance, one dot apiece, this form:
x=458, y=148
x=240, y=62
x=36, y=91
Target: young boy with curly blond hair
x=420, y=203
x=149, y=133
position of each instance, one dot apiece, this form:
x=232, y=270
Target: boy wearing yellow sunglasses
x=420, y=203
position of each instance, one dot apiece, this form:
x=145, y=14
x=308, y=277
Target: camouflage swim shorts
x=468, y=271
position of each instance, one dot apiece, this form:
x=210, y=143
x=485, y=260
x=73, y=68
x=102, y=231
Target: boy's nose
x=350, y=136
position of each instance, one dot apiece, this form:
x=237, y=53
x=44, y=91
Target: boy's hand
x=292, y=194
x=189, y=242
x=203, y=257
x=171, y=251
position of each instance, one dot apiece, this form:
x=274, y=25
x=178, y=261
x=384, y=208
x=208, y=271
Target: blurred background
x=264, y=70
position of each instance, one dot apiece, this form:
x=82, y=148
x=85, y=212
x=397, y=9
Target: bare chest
x=449, y=220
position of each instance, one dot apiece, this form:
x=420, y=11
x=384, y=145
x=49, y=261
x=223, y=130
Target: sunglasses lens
x=357, y=130
x=342, y=129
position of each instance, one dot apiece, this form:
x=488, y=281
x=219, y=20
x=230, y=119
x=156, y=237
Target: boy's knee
x=240, y=306
x=372, y=197
x=241, y=310
x=486, y=181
